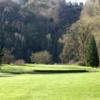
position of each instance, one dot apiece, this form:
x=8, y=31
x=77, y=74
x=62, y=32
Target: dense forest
x=52, y=31
x=81, y=32
x=25, y=29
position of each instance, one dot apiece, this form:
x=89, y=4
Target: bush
x=91, y=54
x=20, y=62
x=7, y=57
x=81, y=63
x=43, y=57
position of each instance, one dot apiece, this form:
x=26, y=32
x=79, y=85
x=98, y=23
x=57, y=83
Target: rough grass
x=64, y=86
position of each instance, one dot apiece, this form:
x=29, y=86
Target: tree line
x=33, y=38
x=82, y=40
x=24, y=33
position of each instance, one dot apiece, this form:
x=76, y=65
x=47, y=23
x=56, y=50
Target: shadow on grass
x=51, y=72
x=58, y=71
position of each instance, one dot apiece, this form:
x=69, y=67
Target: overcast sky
x=76, y=1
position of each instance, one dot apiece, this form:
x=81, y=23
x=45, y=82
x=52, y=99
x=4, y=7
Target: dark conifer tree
x=91, y=53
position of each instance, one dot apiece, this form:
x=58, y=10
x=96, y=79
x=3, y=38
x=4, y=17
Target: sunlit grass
x=65, y=86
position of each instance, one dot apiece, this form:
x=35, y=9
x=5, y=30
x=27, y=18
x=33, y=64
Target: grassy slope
x=69, y=86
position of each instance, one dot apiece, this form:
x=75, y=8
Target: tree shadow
x=58, y=71
x=48, y=72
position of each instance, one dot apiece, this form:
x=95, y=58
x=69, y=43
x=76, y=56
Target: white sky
x=76, y=1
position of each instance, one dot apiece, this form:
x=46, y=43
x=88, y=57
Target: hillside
x=35, y=25
x=48, y=8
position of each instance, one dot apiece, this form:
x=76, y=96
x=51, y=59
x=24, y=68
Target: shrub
x=7, y=57
x=91, y=54
x=43, y=57
x=20, y=62
x=81, y=63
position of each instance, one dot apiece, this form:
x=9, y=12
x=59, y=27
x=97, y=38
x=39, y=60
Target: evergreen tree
x=1, y=46
x=91, y=54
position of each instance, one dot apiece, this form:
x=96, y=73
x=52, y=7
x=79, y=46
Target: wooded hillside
x=35, y=26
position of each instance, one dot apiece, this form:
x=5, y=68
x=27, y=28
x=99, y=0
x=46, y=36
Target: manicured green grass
x=58, y=86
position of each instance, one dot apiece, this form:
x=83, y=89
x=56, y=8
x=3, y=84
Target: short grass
x=16, y=83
